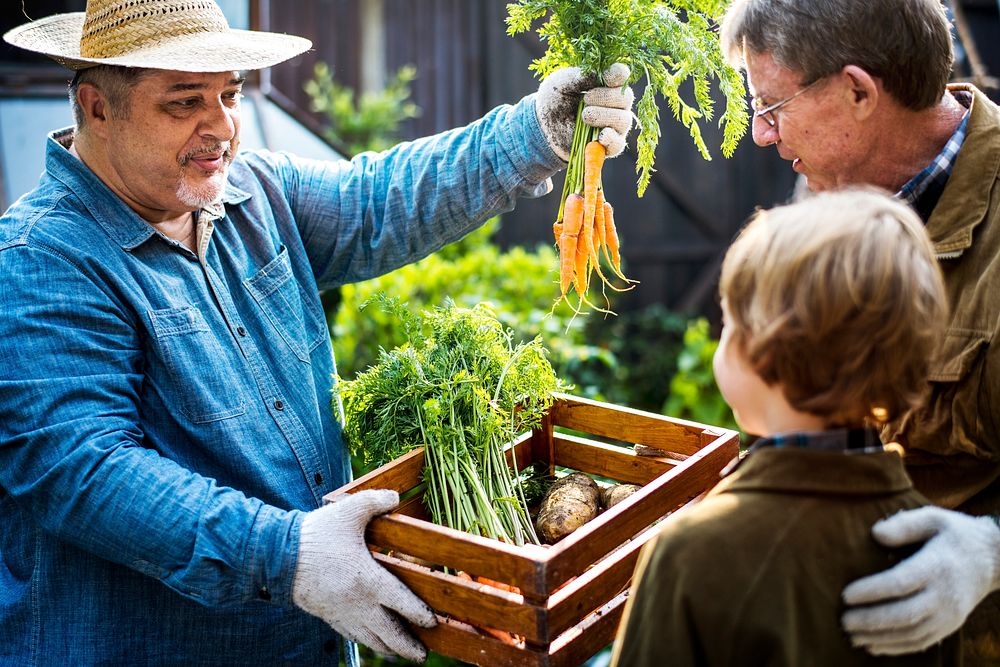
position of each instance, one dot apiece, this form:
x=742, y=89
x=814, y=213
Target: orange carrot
x=581, y=275
x=611, y=238
x=593, y=161
x=600, y=238
x=498, y=584
x=557, y=228
x=502, y=635
x=569, y=239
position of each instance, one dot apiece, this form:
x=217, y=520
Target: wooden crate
x=562, y=623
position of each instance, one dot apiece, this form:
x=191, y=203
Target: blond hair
x=840, y=300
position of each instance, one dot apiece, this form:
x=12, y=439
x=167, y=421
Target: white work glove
x=338, y=580
x=928, y=596
x=608, y=107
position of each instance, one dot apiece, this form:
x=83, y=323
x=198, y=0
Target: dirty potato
x=570, y=502
x=614, y=494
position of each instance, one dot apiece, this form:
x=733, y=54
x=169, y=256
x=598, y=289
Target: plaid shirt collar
x=846, y=440
x=933, y=177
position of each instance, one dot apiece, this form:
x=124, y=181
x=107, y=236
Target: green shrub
x=369, y=123
x=693, y=392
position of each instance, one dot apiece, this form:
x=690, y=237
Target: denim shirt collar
x=120, y=222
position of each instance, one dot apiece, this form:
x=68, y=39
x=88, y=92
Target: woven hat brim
x=58, y=37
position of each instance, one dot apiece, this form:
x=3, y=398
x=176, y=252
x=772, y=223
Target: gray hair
x=905, y=43
x=115, y=82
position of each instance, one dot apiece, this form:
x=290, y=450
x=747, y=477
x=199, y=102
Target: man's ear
x=94, y=105
x=864, y=91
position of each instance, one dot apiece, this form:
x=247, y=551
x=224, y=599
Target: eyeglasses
x=767, y=113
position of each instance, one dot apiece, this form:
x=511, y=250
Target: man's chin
x=199, y=195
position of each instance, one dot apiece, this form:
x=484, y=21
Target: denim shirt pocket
x=194, y=361
x=298, y=319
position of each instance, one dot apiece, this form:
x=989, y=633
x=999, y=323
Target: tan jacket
x=752, y=575
x=953, y=444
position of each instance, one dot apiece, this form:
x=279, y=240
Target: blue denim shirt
x=165, y=416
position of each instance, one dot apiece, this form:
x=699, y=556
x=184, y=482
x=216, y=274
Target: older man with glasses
x=856, y=92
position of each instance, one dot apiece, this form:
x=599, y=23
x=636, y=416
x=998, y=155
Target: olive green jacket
x=752, y=575
x=953, y=444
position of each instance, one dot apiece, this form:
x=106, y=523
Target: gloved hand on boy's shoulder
x=928, y=596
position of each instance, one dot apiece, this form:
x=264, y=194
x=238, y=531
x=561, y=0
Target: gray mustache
x=225, y=148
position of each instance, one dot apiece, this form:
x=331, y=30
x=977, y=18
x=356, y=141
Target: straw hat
x=183, y=35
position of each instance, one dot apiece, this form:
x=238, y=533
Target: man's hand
x=608, y=107
x=928, y=596
x=338, y=580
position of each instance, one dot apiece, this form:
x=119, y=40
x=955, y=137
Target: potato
x=614, y=494
x=569, y=503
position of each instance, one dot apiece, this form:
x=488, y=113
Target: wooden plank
x=479, y=604
x=462, y=642
x=589, y=543
x=400, y=475
x=627, y=424
x=521, y=566
x=609, y=461
x=600, y=583
x=592, y=634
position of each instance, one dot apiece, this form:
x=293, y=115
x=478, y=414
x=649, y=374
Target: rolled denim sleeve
x=72, y=449
x=365, y=217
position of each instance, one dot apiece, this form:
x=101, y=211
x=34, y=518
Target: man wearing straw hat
x=165, y=367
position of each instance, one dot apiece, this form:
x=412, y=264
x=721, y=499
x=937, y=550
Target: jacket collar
x=818, y=472
x=961, y=208
x=120, y=222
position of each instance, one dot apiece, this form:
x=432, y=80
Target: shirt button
x=319, y=479
x=241, y=331
x=264, y=594
x=278, y=405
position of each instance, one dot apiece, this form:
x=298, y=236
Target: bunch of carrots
x=585, y=229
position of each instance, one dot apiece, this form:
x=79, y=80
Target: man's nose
x=220, y=123
x=764, y=134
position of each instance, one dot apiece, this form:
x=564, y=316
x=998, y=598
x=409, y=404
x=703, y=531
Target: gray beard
x=198, y=197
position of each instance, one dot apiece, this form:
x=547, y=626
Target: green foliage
x=462, y=388
x=370, y=123
x=665, y=42
x=693, y=392
x=644, y=344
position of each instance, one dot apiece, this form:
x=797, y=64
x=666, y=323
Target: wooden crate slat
x=471, y=602
x=590, y=542
x=413, y=507
x=571, y=649
x=610, y=461
x=626, y=424
x=603, y=581
x=457, y=640
x=400, y=475
x=440, y=545
x=593, y=633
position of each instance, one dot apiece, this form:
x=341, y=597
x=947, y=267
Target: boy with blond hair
x=831, y=311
